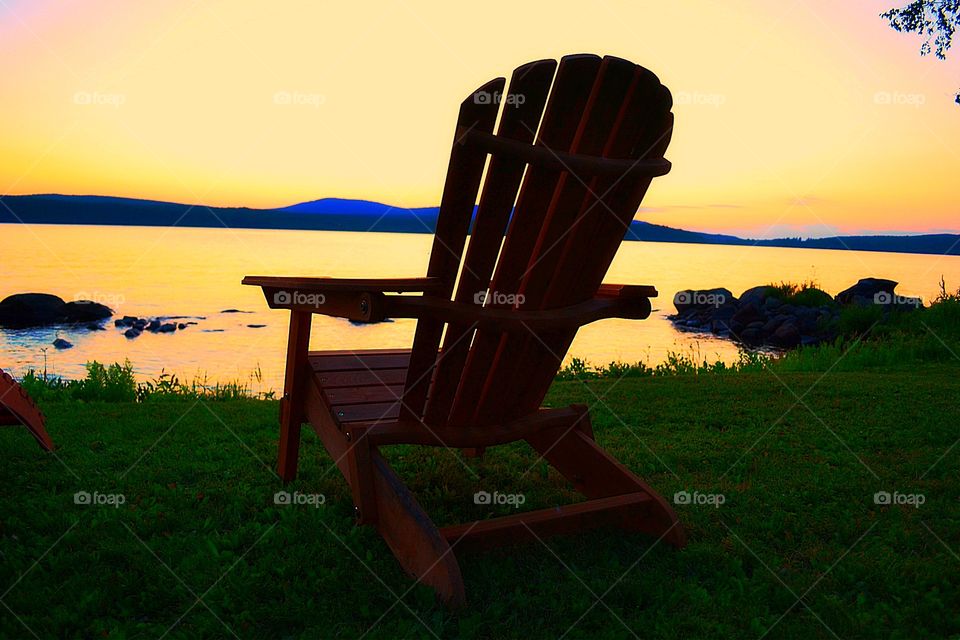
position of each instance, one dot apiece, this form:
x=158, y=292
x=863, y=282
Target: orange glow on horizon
x=790, y=120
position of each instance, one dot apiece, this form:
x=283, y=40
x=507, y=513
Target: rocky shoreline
x=32, y=310
x=780, y=317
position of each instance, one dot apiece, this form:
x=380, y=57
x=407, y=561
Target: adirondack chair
x=17, y=408
x=575, y=150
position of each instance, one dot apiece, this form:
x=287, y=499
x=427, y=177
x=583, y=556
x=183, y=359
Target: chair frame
x=561, y=436
x=17, y=408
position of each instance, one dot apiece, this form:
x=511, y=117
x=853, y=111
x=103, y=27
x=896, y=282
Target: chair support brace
x=540, y=155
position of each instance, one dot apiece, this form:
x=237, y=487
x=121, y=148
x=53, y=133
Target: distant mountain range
x=334, y=214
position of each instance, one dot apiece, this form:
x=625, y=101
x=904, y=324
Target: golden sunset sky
x=792, y=118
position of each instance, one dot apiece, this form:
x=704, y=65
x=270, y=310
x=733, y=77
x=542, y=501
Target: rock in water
x=702, y=299
x=24, y=310
x=787, y=335
x=132, y=332
x=756, y=296
x=758, y=317
x=167, y=327
x=60, y=343
x=85, y=311
x=745, y=315
x=868, y=291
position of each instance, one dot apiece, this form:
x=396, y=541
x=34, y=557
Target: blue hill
x=336, y=214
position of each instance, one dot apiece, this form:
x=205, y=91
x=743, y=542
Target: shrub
x=805, y=294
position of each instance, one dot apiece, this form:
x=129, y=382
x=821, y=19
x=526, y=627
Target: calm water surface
x=149, y=271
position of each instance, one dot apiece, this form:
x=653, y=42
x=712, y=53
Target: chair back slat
x=521, y=114
x=464, y=172
x=589, y=250
x=568, y=98
x=501, y=394
x=544, y=234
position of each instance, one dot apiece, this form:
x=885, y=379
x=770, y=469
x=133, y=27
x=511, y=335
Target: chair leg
x=415, y=541
x=597, y=474
x=406, y=528
x=292, y=403
x=360, y=475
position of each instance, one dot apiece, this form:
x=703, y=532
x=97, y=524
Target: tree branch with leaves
x=934, y=20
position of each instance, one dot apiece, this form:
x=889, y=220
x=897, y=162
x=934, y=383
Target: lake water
x=150, y=271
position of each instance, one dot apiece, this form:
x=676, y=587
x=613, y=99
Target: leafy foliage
x=804, y=294
x=116, y=383
x=934, y=20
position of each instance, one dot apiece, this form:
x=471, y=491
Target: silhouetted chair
x=16, y=408
x=575, y=150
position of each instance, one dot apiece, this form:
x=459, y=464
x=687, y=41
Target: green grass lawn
x=798, y=549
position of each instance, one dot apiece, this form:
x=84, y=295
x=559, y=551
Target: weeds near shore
x=805, y=294
x=116, y=383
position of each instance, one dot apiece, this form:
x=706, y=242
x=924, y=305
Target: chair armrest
x=363, y=300
x=320, y=285
x=627, y=291
x=358, y=299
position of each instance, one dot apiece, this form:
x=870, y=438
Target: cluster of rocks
x=134, y=326
x=759, y=317
x=27, y=310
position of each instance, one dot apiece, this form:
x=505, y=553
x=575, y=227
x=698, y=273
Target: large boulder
x=807, y=319
x=868, y=291
x=23, y=310
x=746, y=315
x=787, y=335
x=86, y=311
x=702, y=299
x=756, y=296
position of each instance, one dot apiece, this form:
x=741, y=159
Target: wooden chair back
x=575, y=149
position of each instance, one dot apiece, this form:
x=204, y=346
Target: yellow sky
x=792, y=118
